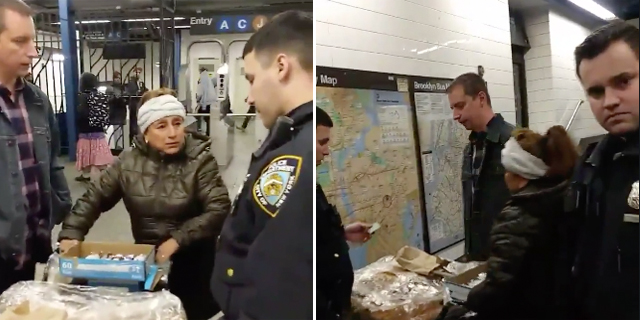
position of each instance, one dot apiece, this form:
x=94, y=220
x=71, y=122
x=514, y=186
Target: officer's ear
x=283, y=64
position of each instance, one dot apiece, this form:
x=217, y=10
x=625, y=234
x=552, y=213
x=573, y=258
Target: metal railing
x=573, y=114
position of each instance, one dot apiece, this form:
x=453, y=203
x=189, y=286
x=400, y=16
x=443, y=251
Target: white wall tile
x=552, y=86
x=438, y=38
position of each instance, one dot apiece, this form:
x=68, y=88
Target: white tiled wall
x=439, y=38
x=552, y=86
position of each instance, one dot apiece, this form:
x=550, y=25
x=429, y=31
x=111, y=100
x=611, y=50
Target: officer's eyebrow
x=323, y=141
x=598, y=89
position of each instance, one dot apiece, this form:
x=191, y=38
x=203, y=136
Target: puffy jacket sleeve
x=100, y=197
x=214, y=197
x=511, y=237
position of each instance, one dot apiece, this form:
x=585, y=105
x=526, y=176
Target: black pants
x=189, y=280
x=204, y=120
x=10, y=276
x=245, y=123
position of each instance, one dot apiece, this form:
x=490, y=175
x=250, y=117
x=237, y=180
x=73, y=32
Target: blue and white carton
x=73, y=262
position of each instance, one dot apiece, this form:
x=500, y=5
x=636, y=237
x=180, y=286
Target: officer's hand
x=357, y=232
x=166, y=250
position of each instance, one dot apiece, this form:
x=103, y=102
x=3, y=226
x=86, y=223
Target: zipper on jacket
x=158, y=185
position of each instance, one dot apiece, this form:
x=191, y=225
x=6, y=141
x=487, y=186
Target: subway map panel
x=372, y=172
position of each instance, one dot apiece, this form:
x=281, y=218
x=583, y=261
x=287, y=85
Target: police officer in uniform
x=264, y=263
x=604, y=265
x=334, y=272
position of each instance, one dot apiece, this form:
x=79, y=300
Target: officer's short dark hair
x=291, y=32
x=323, y=118
x=472, y=84
x=600, y=40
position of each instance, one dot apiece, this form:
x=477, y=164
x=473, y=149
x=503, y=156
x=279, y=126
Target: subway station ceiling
x=623, y=9
x=133, y=8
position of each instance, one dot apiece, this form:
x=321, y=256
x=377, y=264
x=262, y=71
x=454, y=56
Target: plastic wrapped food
x=633, y=200
x=116, y=257
x=476, y=281
x=455, y=268
x=385, y=291
x=90, y=303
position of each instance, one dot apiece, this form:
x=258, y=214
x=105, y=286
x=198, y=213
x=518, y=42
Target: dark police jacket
x=334, y=272
x=264, y=263
x=605, y=261
x=484, y=191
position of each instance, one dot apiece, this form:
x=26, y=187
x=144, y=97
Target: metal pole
x=573, y=115
x=69, y=49
x=177, y=42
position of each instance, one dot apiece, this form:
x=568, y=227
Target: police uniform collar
x=493, y=130
x=302, y=114
x=613, y=144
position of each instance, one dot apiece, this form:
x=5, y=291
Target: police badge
x=277, y=180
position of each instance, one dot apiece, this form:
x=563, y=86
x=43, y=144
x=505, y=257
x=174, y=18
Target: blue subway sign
x=226, y=24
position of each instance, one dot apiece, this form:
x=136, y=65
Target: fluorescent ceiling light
x=595, y=9
x=126, y=20
x=152, y=19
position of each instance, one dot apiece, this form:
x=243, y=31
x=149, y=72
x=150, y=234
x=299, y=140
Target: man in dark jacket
x=34, y=194
x=605, y=269
x=334, y=272
x=483, y=189
x=264, y=264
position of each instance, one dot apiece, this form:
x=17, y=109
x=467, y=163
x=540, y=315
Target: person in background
x=92, y=152
x=483, y=188
x=117, y=103
x=604, y=238
x=225, y=109
x=334, y=272
x=34, y=195
x=245, y=122
x=116, y=82
x=522, y=265
x=264, y=266
x=171, y=187
x=206, y=97
x=134, y=86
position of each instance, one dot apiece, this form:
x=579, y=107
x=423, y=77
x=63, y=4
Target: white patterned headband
x=517, y=160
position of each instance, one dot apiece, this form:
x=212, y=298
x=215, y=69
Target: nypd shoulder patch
x=273, y=186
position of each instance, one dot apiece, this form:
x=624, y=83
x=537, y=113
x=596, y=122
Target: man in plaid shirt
x=484, y=191
x=34, y=194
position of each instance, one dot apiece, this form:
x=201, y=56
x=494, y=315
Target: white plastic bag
x=93, y=303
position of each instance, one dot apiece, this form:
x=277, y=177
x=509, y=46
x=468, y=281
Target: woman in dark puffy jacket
x=170, y=184
x=522, y=269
